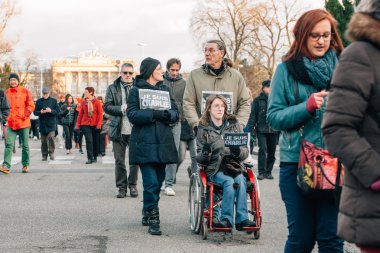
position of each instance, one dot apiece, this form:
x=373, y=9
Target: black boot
x=154, y=222
x=145, y=217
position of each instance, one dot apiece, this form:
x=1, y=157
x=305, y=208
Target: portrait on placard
x=226, y=94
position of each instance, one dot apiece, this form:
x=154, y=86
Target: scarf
x=317, y=73
x=90, y=107
x=171, y=79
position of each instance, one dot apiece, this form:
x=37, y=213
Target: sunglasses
x=127, y=73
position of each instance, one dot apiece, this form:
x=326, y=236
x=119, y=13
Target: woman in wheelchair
x=211, y=153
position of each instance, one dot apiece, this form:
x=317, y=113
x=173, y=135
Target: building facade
x=73, y=74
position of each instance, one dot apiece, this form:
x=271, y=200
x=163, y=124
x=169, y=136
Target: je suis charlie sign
x=236, y=139
x=154, y=99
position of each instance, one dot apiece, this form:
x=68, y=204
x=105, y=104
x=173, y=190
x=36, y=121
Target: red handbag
x=319, y=174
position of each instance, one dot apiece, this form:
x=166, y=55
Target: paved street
x=67, y=206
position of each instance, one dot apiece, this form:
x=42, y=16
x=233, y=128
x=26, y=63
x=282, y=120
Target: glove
x=235, y=151
x=161, y=115
x=206, y=148
x=376, y=186
x=311, y=105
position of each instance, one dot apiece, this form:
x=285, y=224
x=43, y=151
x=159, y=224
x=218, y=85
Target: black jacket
x=112, y=106
x=59, y=116
x=258, y=117
x=67, y=116
x=4, y=107
x=47, y=121
x=151, y=141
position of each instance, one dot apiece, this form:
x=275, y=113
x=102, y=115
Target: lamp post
x=41, y=61
x=142, y=45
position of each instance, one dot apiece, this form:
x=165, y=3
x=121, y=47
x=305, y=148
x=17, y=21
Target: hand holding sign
x=161, y=115
x=235, y=151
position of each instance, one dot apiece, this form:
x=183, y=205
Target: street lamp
x=142, y=45
x=41, y=61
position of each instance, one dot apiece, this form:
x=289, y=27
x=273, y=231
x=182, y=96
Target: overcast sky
x=63, y=28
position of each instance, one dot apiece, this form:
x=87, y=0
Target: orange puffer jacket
x=22, y=105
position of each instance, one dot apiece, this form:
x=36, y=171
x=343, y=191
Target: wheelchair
x=201, y=212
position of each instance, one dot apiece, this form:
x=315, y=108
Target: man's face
x=45, y=95
x=13, y=82
x=213, y=55
x=127, y=74
x=266, y=90
x=174, y=70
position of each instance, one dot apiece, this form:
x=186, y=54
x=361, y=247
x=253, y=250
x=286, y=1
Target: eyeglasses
x=210, y=50
x=317, y=36
x=127, y=73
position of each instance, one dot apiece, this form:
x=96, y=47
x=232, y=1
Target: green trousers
x=10, y=142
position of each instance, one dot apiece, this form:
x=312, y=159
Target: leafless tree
x=8, y=9
x=273, y=37
x=259, y=31
x=228, y=20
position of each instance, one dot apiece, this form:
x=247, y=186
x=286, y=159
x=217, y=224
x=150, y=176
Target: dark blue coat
x=47, y=121
x=151, y=141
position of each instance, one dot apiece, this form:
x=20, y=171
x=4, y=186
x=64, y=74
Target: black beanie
x=147, y=66
x=14, y=75
x=266, y=83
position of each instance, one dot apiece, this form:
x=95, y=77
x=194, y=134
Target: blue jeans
x=309, y=220
x=229, y=195
x=152, y=177
x=171, y=169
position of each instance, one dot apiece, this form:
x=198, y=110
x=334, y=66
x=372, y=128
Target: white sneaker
x=169, y=191
x=34, y=138
x=61, y=146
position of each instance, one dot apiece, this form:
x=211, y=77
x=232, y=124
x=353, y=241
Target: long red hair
x=303, y=28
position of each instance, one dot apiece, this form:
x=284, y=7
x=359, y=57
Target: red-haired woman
x=90, y=122
x=298, y=98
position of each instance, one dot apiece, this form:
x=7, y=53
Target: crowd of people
x=194, y=114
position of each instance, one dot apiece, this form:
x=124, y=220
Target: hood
x=171, y=79
x=143, y=84
x=364, y=27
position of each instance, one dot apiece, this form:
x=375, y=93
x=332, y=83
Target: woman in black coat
x=67, y=113
x=152, y=143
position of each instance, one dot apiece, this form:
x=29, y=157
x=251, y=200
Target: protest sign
x=236, y=139
x=154, y=99
x=226, y=94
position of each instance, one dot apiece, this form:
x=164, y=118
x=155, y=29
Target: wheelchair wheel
x=204, y=229
x=196, y=205
x=256, y=234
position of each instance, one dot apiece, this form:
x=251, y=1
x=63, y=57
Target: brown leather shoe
x=25, y=169
x=133, y=191
x=122, y=193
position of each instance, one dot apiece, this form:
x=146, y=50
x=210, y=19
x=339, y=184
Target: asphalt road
x=67, y=206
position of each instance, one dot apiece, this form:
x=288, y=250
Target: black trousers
x=267, y=149
x=91, y=135
x=34, y=128
x=102, y=143
x=68, y=130
x=119, y=148
x=47, y=143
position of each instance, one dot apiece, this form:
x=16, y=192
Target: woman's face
x=158, y=73
x=217, y=109
x=70, y=99
x=318, y=42
x=87, y=94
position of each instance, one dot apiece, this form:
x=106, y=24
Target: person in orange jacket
x=22, y=105
x=89, y=121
